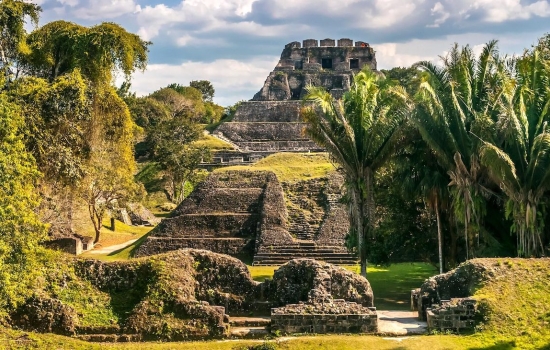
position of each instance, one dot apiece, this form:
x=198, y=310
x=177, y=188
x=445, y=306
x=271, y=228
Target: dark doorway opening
x=298, y=65
x=354, y=63
x=326, y=63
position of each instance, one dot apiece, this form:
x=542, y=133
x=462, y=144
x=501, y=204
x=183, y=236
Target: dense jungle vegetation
x=444, y=162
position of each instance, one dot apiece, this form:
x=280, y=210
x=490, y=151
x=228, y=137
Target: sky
x=236, y=43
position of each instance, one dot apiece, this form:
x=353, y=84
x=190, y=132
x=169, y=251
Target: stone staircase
x=300, y=227
x=279, y=255
x=249, y=327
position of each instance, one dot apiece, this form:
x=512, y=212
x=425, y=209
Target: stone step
x=303, y=255
x=303, y=251
x=249, y=321
x=249, y=332
x=109, y=338
x=270, y=262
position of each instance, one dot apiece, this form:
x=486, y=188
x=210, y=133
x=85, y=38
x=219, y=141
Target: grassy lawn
x=14, y=340
x=290, y=167
x=391, y=285
x=214, y=143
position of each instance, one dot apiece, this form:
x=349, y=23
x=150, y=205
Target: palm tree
x=360, y=132
x=421, y=176
x=518, y=160
x=455, y=102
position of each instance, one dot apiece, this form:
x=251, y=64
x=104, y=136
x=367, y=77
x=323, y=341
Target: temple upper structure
x=324, y=63
x=271, y=121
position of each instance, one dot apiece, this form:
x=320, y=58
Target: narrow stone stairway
x=249, y=327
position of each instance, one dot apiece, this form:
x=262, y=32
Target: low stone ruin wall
x=455, y=314
x=244, y=131
x=334, y=316
x=210, y=225
x=229, y=246
x=268, y=111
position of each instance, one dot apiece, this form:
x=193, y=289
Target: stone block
x=293, y=45
x=310, y=43
x=328, y=43
x=345, y=42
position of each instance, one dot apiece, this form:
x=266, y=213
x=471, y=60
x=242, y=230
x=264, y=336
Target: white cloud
x=439, y=11
x=103, y=9
x=233, y=80
x=389, y=55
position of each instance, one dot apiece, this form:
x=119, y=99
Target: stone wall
x=230, y=213
x=334, y=316
x=238, y=247
x=245, y=132
x=458, y=283
x=210, y=225
x=271, y=111
x=455, y=314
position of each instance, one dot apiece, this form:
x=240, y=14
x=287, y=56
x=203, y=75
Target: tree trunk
x=466, y=237
x=358, y=218
x=96, y=220
x=369, y=210
x=439, y=240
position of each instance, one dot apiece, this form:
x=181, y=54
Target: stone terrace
x=246, y=214
x=270, y=122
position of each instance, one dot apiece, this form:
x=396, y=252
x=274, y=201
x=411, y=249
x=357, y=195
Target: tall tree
x=171, y=142
x=455, y=102
x=20, y=229
x=13, y=14
x=518, y=159
x=60, y=47
x=205, y=87
x=360, y=132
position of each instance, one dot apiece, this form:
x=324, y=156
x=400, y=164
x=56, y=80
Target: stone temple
x=250, y=214
x=270, y=122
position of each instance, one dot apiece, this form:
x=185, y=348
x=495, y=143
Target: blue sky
x=236, y=43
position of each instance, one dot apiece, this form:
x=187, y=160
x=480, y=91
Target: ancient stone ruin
x=250, y=215
x=196, y=294
x=271, y=122
x=444, y=301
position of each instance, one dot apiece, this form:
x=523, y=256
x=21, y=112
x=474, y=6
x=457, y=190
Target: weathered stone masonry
x=271, y=122
x=245, y=214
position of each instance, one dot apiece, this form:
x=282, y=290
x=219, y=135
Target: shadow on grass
x=502, y=345
x=133, y=247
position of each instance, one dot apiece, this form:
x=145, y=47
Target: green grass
x=213, y=143
x=10, y=339
x=290, y=167
x=391, y=285
x=122, y=233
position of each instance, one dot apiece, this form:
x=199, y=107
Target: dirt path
x=400, y=323
x=112, y=248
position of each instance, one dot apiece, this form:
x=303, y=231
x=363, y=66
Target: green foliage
x=454, y=104
x=519, y=159
x=148, y=112
x=408, y=77
x=360, y=132
x=60, y=47
x=57, y=117
x=205, y=87
x=20, y=230
x=174, y=152
x=13, y=16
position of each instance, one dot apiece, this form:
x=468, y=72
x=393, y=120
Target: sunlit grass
x=391, y=285
x=213, y=143
x=290, y=167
